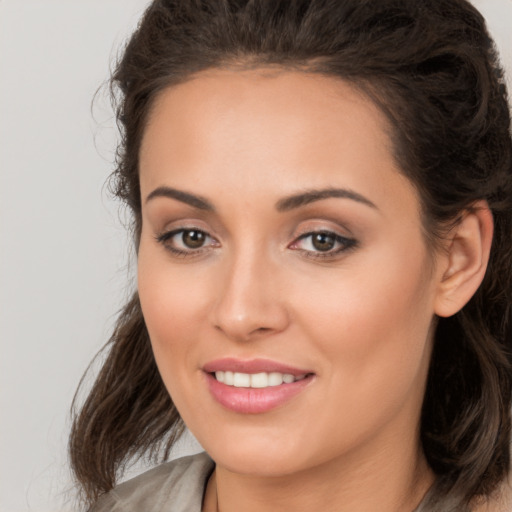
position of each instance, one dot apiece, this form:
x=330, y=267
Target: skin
x=361, y=319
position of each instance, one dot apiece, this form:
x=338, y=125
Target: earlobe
x=466, y=260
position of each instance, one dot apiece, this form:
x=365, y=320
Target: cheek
x=372, y=322
x=172, y=304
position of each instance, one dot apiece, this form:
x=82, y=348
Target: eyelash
x=345, y=244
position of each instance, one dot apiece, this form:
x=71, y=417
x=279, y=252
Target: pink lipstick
x=255, y=386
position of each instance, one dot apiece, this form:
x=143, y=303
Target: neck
x=387, y=480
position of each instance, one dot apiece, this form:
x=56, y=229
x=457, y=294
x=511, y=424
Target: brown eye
x=323, y=244
x=323, y=241
x=183, y=242
x=193, y=239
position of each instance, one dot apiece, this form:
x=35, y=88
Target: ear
x=466, y=260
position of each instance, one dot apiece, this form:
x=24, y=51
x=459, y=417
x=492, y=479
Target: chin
x=263, y=454
x=257, y=464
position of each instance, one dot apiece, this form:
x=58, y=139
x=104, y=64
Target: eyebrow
x=310, y=196
x=283, y=205
x=185, y=197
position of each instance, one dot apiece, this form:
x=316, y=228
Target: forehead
x=262, y=129
x=267, y=98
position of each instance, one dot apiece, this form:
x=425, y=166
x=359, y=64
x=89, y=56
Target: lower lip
x=255, y=400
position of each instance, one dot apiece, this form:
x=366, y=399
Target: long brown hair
x=432, y=68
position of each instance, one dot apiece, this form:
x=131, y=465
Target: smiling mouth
x=256, y=386
x=259, y=380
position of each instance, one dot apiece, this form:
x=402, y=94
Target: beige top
x=176, y=486
x=179, y=485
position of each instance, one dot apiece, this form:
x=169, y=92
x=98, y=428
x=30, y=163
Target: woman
x=322, y=204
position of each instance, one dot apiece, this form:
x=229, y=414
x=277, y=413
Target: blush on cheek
x=375, y=324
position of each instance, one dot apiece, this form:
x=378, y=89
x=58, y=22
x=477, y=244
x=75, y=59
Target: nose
x=250, y=303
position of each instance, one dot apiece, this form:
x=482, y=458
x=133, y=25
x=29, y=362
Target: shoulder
x=501, y=500
x=180, y=482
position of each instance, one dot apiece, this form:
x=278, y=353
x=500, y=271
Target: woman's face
x=282, y=248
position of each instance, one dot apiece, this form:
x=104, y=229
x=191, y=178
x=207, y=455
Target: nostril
x=260, y=330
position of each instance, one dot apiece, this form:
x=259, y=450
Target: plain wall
x=63, y=249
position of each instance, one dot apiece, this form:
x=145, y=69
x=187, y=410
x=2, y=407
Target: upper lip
x=252, y=366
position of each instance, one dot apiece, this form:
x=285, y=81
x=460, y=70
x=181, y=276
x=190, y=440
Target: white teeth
x=259, y=380
x=275, y=379
x=241, y=380
x=256, y=380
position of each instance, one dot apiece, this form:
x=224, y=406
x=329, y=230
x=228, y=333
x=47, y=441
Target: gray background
x=64, y=270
